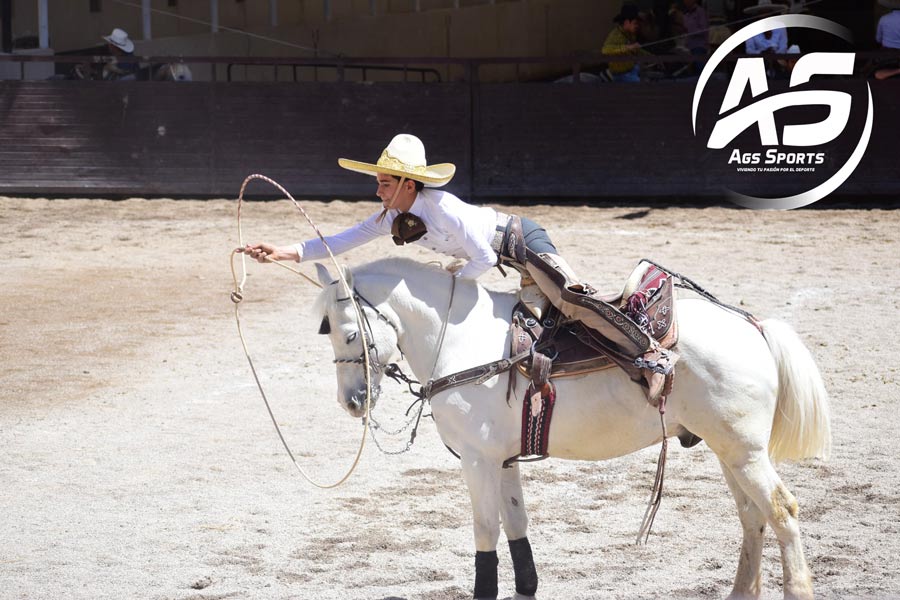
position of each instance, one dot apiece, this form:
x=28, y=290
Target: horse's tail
x=802, y=424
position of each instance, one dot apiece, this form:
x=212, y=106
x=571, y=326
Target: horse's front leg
x=515, y=525
x=482, y=477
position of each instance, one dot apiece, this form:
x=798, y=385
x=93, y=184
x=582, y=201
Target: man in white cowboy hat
x=120, y=46
x=888, y=32
x=413, y=211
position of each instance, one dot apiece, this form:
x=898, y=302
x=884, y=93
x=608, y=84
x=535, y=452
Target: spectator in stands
x=691, y=24
x=718, y=33
x=696, y=27
x=770, y=42
x=888, y=33
x=623, y=40
x=888, y=37
x=122, y=66
x=774, y=41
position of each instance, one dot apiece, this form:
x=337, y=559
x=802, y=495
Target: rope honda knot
x=236, y=296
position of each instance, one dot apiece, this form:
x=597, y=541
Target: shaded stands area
x=517, y=140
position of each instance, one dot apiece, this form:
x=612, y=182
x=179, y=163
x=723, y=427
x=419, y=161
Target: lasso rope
x=238, y=295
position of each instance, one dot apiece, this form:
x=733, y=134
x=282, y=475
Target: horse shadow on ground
x=402, y=598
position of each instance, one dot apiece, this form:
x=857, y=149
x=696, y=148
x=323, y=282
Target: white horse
x=753, y=398
x=173, y=72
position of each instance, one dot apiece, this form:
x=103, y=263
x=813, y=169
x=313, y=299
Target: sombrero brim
x=127, y=47
x=434, y=175
x=775, y=9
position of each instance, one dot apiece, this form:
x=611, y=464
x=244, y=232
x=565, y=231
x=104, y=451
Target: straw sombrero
x=766, y=7
x=404, y=157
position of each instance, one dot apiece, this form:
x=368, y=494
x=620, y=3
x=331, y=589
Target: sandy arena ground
x=138, y=460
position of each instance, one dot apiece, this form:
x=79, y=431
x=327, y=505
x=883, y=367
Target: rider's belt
x=500, y=232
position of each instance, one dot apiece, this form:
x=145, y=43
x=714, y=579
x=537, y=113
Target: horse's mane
x=400, y=268
x=396, y=265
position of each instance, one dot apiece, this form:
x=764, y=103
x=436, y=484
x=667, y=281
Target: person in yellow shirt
x=623, y=40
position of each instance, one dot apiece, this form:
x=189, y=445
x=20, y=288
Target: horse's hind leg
x=757, y=477
x=747, y=582
x=515, y=525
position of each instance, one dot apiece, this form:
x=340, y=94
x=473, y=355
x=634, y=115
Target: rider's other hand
x=264, y=253
x=259, y=252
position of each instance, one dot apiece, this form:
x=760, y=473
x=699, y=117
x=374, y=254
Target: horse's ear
x=325, y=277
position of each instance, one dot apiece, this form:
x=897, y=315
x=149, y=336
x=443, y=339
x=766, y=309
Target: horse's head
x=354, y=343
x=173, y=72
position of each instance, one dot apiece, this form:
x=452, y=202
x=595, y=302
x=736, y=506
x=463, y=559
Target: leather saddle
x=571, y=348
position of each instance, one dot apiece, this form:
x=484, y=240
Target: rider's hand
x=267, y=252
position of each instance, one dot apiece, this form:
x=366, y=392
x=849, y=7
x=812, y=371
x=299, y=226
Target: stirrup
x=582, y=288
x=658, y=373
x=663, y=366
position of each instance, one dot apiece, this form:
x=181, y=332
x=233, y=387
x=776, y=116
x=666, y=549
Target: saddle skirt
x=648, y=299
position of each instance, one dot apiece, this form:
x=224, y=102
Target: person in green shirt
x=623, y=40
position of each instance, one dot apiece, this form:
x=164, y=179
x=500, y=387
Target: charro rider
x=414, y=212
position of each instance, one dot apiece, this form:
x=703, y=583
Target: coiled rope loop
x=237, y=295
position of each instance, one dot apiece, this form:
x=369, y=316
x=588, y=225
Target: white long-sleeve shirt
x=888, y=32
x=455, y=229
x=759, y=44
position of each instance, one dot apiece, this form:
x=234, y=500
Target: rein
x=238, y=295
x=478, y=374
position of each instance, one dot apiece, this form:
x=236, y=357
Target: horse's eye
x=351, y=336
x=325, y=327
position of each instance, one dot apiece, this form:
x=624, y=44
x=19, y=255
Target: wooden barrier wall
x=529, y=140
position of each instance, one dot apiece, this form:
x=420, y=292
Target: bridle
x=392, y=370
x=368, y=336
x=369, y=355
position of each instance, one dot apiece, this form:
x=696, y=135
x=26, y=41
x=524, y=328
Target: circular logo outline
x=738, y=38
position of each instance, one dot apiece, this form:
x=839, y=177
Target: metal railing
x=339, y=69
x=429, y=69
